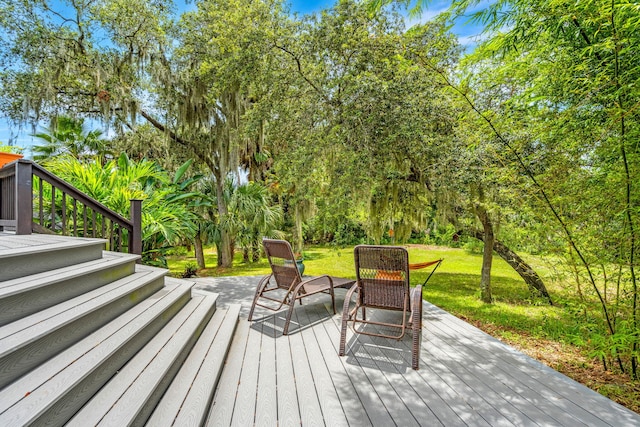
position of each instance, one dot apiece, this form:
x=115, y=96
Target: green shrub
x=473, y=246
x=190, y=270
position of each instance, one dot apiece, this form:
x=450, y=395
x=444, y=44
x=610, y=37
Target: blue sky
x=303, y=7
x=465, y=31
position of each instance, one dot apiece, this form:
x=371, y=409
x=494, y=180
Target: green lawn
x=454, y=287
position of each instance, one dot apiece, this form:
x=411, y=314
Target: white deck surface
x=466, y=377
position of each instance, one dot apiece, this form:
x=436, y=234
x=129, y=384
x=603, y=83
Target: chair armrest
x=416, y=292
x=264, y=281
x=311, y=281
x=347, y=298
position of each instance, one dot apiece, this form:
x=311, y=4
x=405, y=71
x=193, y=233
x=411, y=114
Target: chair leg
x=416, y=325
x=345, y=320
x=333, y=300
x=292, y=304
x=263, y=282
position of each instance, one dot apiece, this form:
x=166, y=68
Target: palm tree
x=254, y=217
x=67, y=135
x=166, y=217
x=250, y=216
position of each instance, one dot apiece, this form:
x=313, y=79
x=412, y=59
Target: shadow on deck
x=466, y=377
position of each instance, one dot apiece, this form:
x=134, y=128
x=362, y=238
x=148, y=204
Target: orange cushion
x=389, y=275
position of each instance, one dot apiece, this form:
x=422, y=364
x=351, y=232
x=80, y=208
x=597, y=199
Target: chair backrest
x=382, y=274
x=282, y=262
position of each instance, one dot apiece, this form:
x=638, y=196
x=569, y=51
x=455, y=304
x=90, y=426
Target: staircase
x=89, y=337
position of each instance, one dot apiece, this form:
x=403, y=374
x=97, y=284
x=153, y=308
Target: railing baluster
x=53, y=207
x=112, y=236
x=84, y=220
x=119, y=239
x=64, y=213
x=40, y=201
x=93, y=228
x=75, y=217
x=7, y=192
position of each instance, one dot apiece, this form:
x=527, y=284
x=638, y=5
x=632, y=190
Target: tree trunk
x=225, y=253
x=226, y=257
x=487, y=255
x=528, y=274
x=245, y=254
x=299, y=236
x=255, y=252
x=199, y=251
x=219, y=256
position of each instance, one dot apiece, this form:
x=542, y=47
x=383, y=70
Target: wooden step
x=27, y=342
x=37, y=253
x=188, y=399
x=26, y=295
x=130, y=397
x=54, y=391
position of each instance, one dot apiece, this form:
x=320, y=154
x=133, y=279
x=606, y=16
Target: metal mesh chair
x=285, y=285
x=382, y=282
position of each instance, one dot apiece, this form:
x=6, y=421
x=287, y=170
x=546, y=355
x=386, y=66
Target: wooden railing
x=32, y=199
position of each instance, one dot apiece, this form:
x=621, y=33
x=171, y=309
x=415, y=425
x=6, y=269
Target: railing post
x=24, y=197
x=135, y=238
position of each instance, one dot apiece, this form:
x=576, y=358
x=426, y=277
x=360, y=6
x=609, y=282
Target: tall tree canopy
x=553, y=89
x=126, y=62
x=363, y=124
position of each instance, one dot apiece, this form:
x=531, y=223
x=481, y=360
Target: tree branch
x=198, y=152
x=299, y=66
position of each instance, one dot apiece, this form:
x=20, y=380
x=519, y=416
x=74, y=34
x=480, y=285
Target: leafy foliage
x=165, y=217
x=361, y=125
x=68, y=136
x=562, y=107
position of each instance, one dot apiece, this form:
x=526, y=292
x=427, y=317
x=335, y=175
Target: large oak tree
x=127, y=62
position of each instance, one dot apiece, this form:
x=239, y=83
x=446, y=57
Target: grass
x=516, y=317
x=454, y=287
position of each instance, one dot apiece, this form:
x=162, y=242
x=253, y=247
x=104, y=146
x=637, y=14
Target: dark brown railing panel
x=7, y=197
x=33, y=199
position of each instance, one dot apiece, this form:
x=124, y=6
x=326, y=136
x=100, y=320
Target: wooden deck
x=466, y=377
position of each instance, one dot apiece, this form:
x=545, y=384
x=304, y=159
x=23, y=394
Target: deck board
x=516, y=377
x=267, y=404
x=245, y=403
x=386, y=360
x=366, y=394
x=308, y=401
x=195, y=406
x=354, y=411
x=326, y=390
x=380, y=397
x=221, y=411
x=498, y=376
x=288, y=405
x=466, y=377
